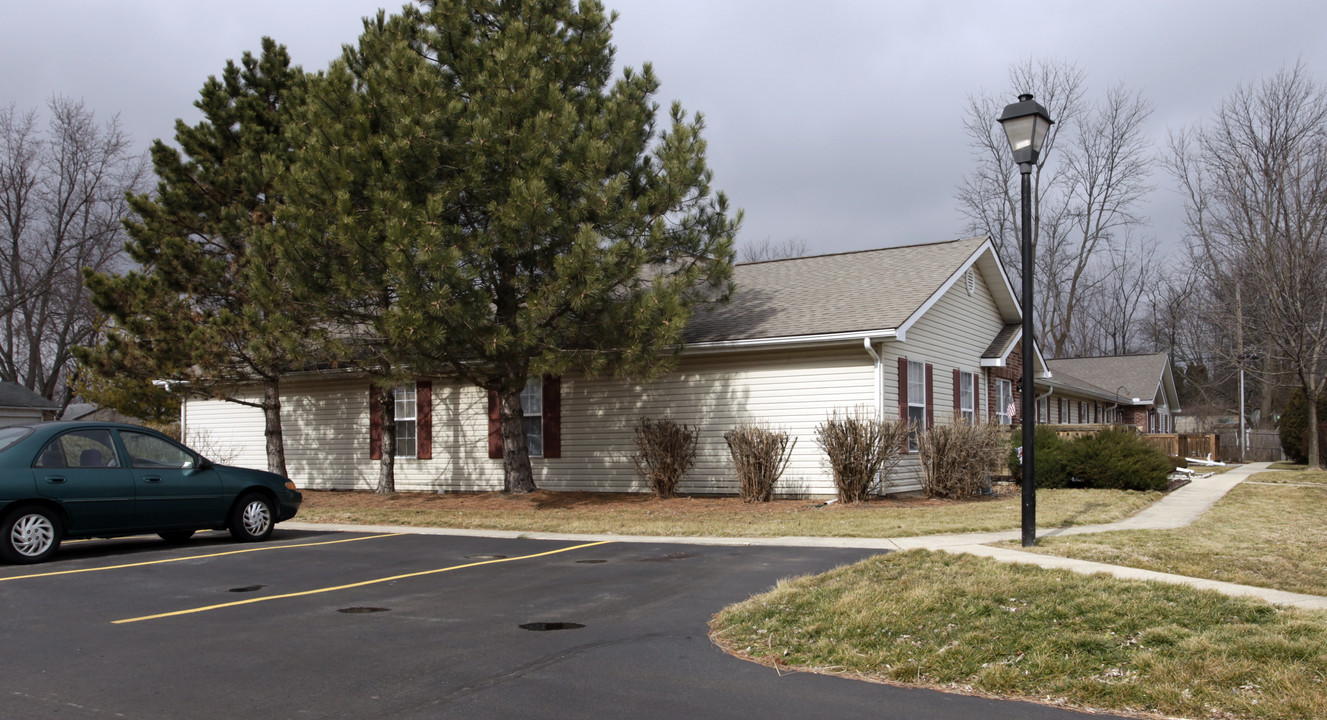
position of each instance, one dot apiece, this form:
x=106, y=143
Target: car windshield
x=11, y=435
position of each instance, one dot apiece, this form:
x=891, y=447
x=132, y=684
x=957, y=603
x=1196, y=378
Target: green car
x=96, y=479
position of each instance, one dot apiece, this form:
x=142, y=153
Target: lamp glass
x=1021, y=132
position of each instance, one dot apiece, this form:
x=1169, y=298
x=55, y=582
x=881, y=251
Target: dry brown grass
x=641, y=514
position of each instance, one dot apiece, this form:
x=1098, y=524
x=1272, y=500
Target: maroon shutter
x=375, y=423
x=1059, y=410
x=552, y=417
x=494, y=426
x=930, y=398
x=958, y=396
x=903, y=388
x=424, y=419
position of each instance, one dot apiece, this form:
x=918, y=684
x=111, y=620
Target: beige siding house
x=920, y=331
x=19, y=405
x=1136, y=390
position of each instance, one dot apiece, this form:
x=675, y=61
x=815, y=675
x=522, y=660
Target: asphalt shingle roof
x=845, y=292
x=13, y=395
x=1131, y=376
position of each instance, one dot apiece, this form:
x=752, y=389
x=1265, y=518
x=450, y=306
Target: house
x=1136, y=390
x=925, y=332
x=19, y=405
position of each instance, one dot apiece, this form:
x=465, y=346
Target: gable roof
x=1134, y=379
x=13, y=395
x=853, y=294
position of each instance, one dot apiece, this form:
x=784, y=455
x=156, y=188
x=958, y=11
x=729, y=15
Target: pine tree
x=473, y=186
x=202, y=309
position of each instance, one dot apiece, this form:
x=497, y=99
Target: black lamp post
x=1026, y=124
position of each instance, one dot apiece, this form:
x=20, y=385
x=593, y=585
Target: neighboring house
x=927, y=332
x=19, y=405
x=90, y=412
x=1136, y=390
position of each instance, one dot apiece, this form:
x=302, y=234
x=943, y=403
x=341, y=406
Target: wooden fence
x=1261, y=446
x=1189, y=445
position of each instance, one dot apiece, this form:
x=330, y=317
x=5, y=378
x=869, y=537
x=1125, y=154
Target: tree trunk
x=1312, y=392
x=516, y=472
x=276, y=447
x=387, y=465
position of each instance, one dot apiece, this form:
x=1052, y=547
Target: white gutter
x=879, y=379
x=822, y=339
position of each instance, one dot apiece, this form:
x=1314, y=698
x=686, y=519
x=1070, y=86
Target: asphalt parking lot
x=344, y=625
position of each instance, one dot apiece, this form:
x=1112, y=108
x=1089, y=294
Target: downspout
x=879, y=381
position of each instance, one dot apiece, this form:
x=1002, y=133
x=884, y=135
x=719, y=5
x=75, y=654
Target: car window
x=11, y=435
x=79, y=449
x=150, y=451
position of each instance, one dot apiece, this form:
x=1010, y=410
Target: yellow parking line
x=194, y=557
x=363, y=583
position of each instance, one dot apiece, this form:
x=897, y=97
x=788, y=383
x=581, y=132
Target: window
x=1004, y=402
x=80, y=449
x=150, y=451
x=967, y=397
x=406, y=421
x=532, y=406
x=1082, y=412
x=916, y=399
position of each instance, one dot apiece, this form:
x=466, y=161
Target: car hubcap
x=256, y=517
x=32, y=535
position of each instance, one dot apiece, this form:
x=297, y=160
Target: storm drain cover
x=591, y=562
x=355, y=610
x=543, y=626
x=485, y=557
x=247, y=588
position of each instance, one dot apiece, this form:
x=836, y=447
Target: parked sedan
x=95, y=479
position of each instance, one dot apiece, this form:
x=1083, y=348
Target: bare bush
x=665, y=450
x=861, y=450
x=957, y=458
x=760, y=456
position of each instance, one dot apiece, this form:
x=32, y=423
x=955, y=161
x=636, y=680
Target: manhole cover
x=247, y=588
x=591, y=562
x=354, y=610
x=543, y=626
x=485, y=557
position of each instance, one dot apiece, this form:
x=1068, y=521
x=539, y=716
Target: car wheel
x=30, y=535
x=175, y=537
x=252, y=518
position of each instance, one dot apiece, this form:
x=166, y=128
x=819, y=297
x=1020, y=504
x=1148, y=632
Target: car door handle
x=55, y=479
x=152, y=479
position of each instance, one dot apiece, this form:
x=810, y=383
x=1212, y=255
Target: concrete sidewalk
x=1177, y=509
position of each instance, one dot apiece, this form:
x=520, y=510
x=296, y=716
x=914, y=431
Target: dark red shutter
x=552, y=417
x=424, y=419
x=494, y=426
x=958, y=396
x=903, y=388
x=375, y=423
x=930, y=398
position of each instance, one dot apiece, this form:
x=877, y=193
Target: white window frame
x=406, y=414
x=1004, y=397
x=532, y=410
x=967, y=396
x=916, y=399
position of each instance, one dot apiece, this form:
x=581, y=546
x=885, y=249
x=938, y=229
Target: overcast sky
x=836, y=123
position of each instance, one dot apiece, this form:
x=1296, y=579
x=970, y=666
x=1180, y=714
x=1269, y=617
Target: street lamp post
x=1026, y=124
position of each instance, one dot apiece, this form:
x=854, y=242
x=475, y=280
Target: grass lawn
x=971, y=624
x=1268, y=535
x=546, y=511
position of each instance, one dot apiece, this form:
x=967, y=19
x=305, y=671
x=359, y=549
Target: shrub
x=665, y=450
x=1048, y=451
x=1117, y=459
x=860, y=449
x=760, y=456
x=1293, y=427
x=956, y=459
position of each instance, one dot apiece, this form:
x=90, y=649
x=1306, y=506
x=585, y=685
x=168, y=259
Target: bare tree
x=1255, y=186
x=1087, y=183
x=762, y=250
x=62, y=200
x=1112, y=318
